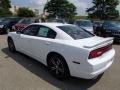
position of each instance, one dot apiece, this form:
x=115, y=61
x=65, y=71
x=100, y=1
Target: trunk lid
x=95, y=42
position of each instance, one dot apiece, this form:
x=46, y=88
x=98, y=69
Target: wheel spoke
x=58, y=62
x=53, y=68
x=61, y=69
x=57, y=71
x=53, y=62
x=57, y=67
x=11, y=45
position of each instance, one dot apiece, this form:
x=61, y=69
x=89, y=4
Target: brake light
x=98, y=52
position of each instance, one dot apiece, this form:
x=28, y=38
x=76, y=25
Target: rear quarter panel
x=71, y=53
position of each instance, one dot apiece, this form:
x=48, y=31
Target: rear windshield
x=76, y=32
x=84, y=23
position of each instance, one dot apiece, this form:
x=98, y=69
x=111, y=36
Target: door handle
x=48, y=43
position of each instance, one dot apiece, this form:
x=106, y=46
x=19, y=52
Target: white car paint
x=72, y=50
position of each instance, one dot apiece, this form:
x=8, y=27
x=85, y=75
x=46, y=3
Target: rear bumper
x=95, y=67
x=99, y=71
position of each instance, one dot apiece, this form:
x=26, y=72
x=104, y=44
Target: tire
x=11, y=45
x=98, y=77
x=58, y=67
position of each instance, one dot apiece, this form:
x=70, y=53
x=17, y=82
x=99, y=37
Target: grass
x=80, y=17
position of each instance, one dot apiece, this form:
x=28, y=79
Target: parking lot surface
x=20, y=72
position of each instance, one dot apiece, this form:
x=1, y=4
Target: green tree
x=4, y=8
x=25, y=12
x=104, y=9
x=60, y=8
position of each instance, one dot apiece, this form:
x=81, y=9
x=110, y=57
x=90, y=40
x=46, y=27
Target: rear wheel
x=58, y=67
x=98, y=77
x=11, y=45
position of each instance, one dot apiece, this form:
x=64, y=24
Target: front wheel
x=58, y=67
x=11, y=45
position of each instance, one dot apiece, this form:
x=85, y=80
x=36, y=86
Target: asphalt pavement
x=20, y=72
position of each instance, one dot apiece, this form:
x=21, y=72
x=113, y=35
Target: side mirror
x=19, y=32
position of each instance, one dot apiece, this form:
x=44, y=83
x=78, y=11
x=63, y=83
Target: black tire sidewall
x=10, y=41
x=66, y=69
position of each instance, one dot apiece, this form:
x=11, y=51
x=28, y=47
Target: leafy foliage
x=60, y=8
x=25, y=12
x=104, y=9
x=4, y=8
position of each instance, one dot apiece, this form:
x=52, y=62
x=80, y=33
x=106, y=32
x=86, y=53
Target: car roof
x=82, y=20
x=50, y=24
x=111, y=21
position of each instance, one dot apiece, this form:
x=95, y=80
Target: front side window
x=31, y=30
x=75, y=32
x=46, y=32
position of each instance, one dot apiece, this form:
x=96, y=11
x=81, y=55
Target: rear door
x=42, y=43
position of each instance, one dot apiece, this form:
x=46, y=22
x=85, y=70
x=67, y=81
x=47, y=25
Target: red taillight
x=98, y=52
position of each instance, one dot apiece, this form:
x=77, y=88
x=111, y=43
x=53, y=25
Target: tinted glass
x=1, y=18
x=46, y=32
x=11, y=20
x=84, y=23
x=111, y=24
x=31, y=30
x=27, y=21
x=43, y=31
x=76, y=32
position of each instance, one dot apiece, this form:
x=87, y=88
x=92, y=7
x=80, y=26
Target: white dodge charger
x=66, y=49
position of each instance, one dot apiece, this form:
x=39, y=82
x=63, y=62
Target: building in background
x=14, y=9
x=36, y=12
x=44, y=15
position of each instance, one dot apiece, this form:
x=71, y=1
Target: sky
x=81, y=5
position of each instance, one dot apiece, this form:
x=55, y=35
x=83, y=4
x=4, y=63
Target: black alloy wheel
x=58, y=67
x=11, y=45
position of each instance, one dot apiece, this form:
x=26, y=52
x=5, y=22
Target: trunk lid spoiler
x=99, y=42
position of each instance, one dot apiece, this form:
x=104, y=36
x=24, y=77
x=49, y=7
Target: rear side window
x=46, y=32
x=76, y=32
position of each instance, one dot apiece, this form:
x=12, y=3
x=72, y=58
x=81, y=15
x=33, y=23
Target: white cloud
x=118, y=7
x=81, y=6
x=39, y=4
